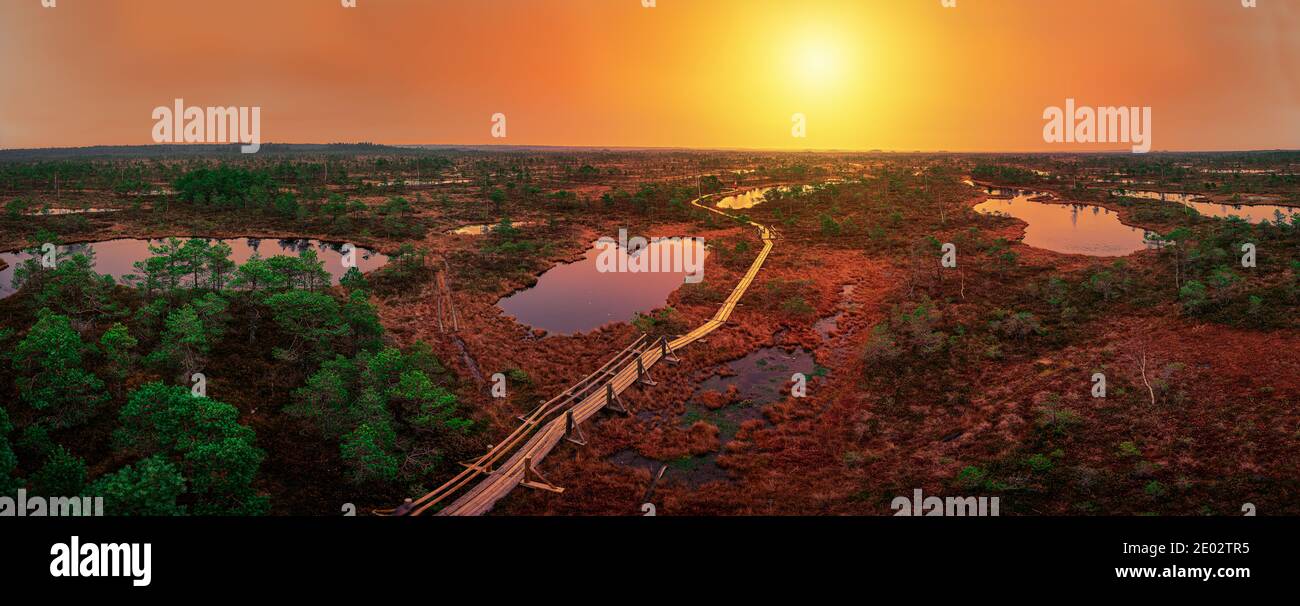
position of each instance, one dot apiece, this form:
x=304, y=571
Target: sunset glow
x=719, y=73
x=728, y=284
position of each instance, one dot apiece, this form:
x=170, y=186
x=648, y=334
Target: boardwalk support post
x=612, y=401
x=588, y=387
x=642, y=376
x=534, y=479
x=667, y=352
x=572, y=432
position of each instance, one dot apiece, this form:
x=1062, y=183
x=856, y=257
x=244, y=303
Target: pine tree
x=52, y=378
x=150, y=487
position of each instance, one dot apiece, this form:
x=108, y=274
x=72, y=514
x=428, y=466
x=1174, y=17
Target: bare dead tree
x=911, y=271
x=654, y=480
x=1140, y=348
x=419, y=459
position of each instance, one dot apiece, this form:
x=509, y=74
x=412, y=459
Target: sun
x=816, y=61
x=819, y=61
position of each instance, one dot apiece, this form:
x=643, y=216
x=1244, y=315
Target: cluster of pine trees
x=99, y=353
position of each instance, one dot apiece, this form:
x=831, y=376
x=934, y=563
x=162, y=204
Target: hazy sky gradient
x=868, y=74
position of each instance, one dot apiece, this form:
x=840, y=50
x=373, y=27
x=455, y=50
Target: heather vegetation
x=946, y=326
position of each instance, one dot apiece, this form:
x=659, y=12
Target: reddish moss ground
x=1223, y=430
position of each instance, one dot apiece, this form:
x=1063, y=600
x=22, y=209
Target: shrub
x=1039, y=463
x=908, y=335
x=311, y=321
x=354, y=280
x=16, y=207
x=1019, y=325
x=359, y=401
x=62, y=475
x=221, y=474
x=51, y=371
x=71, y=287
x=971, y=478
x=367, y=450
x=8, y=461
x=362, y=320
x=200, y=435
x=185, y=342
x=1129, y=449
x=665, y=322
x=1193, y=296
x=148, y=488
x=829, y=227
x=117, y=343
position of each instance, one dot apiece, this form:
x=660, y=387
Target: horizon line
x=525, y=146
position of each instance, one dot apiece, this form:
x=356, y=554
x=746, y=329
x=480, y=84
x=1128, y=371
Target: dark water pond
x=578, y=297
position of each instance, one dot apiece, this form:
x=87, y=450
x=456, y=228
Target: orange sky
x=867, y=74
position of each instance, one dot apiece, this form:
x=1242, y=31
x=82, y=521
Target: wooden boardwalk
x=562, y=416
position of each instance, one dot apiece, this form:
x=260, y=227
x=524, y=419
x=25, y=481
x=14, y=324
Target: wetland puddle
x=693, y=471
x=828, y=326
x=69, y=211
x=483, y=229
x=760, y=379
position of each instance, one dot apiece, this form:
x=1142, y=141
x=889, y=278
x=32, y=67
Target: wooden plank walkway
x=554, y=419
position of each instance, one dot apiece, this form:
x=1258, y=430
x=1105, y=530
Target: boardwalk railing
x=562, y=416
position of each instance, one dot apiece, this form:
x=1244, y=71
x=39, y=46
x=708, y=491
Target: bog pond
x=1081, y=229
x=578, y=297
x=117, y=258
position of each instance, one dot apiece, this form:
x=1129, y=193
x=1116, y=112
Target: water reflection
x=1253, y=213
x=69, y=211
x=754, y=197
x=748, y=199
x=117, y=257
x=578, y=297
x=1083, y=229
x=484, y=228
